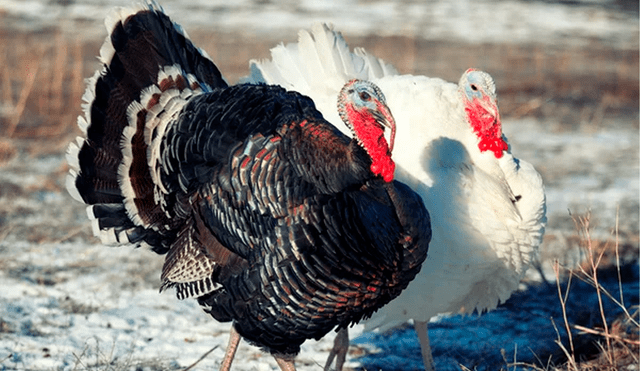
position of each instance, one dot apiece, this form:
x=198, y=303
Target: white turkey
x=487, y=207
x=268, y=215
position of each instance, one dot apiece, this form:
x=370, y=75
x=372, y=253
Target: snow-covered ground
x=68, y=303
x=95, y=308
x=583, y=170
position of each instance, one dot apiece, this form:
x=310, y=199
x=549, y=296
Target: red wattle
x=371, y=136
x=487, y=127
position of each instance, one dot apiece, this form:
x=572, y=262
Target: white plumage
x=488, y=211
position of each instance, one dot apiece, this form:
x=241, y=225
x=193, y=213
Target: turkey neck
x=369, y=133
x=486, y=125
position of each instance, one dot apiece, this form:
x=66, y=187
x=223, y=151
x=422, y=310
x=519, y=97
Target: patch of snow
x=583, y=170
x=99, y=316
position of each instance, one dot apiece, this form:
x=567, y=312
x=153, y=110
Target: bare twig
x=73, y=232
x=594, y=263
x=7, y=357
x=7, y=93
x=78, y=69
x=546, y=367
x=606, y=293
x=59, y=71
x=22, y=101
x=618, y=257
x=588, y=272
x=79, y=358
x=570, y=356
x=4, y=232
x=200, y=359
x=589, y=279
x=604, y=334
x=563, y=304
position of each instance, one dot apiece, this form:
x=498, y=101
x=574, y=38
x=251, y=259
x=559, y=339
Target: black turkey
x=268, y=215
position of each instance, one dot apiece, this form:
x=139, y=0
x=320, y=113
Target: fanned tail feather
x=320, y=61
x=150, y=69
x=373, y=67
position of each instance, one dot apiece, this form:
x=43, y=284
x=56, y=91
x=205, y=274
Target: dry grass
x=617, y=340
x=40, y=82
x=97, y=357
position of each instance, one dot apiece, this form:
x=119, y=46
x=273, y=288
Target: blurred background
x=566, y=74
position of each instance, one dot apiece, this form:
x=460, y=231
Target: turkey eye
x=474, y=87
x=365, y=96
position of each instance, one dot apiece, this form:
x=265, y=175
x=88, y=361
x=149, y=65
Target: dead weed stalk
x=40, y=86
x=620, y=341
x=617, y=346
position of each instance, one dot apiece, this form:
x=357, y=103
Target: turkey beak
x=491, y=107
x=384, y=117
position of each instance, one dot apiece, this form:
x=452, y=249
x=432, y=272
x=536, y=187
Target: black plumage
x=269, y=216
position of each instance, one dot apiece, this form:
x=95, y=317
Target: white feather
x=107, y=51
x=87, y=99
x=74, y=167
x=70, y=183
x=107, y=236
x=124, y=179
